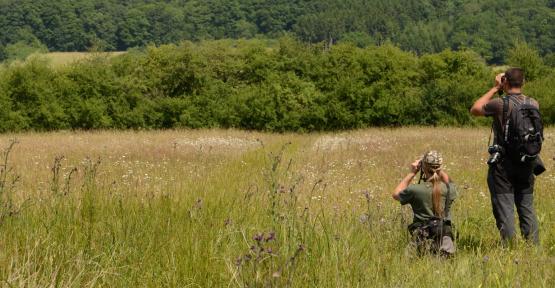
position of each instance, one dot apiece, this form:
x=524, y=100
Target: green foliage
x=451, y=82
x=34, y=103
x=26, y=45
x=253, y=84
x=359, y=39
x=21, y=50
x=528, y=59
x=549, y=60
x=544, y=90
x=10, y=120
x=427, y=26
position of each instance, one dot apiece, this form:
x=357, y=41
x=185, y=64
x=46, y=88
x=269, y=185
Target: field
x=224, y=208
x=58, y=59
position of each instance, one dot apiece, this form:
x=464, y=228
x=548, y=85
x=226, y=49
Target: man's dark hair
x=515, y=77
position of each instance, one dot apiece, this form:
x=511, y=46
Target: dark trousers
x=511, y=184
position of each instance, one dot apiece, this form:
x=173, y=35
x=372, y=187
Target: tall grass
x=227, y=208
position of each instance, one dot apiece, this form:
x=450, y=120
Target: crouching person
x=430, y=201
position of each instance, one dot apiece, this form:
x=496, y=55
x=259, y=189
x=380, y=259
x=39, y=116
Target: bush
x=528, y=59
x=544, y=91
x=287, y=86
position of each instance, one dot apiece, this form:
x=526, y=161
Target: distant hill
x=489, y=27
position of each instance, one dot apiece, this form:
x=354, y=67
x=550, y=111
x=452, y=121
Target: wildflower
x=198, y=204
x=271, y=236
x=363, y=218
x=258, y=237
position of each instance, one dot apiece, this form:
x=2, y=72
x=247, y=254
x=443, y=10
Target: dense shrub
x=280, y=86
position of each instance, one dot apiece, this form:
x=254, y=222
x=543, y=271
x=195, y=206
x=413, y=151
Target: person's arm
x=478, y=107
x=403, y=185
x=414, y=167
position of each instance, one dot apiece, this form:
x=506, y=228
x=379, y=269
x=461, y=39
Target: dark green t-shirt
x=419, y=196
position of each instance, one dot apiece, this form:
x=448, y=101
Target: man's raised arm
x=478, y=107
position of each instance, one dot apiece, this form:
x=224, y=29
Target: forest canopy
x=488, y=27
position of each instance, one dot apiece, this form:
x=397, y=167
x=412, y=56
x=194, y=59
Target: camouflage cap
x=432, y=160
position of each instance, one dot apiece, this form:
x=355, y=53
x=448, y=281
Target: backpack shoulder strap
x=447, y=200
x=515, y=100
x=505, y=109
x=505, y=120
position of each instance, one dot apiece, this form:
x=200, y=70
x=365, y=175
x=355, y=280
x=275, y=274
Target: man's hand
x=478, y=107
x=499, y=81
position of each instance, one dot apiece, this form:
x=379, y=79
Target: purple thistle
x=271, y=236
x=258, y=237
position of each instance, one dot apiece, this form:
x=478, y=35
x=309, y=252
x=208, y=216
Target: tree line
x=488, y=27
x=287, y=85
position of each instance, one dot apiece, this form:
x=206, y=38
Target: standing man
x=511, y=173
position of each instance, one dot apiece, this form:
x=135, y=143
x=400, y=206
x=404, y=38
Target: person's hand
x=499, y=81
x=415, y=166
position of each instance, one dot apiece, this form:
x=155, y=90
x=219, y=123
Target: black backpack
x=523, y=130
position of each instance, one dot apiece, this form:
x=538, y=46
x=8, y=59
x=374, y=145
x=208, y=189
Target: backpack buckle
x=528, y=158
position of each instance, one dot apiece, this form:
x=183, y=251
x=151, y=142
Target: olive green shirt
x=419, y=196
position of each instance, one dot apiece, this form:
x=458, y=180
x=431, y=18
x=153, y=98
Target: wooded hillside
x=488, y=27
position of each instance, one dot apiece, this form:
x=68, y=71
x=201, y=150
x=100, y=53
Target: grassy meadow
x=62, y=59
x=225, y=208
